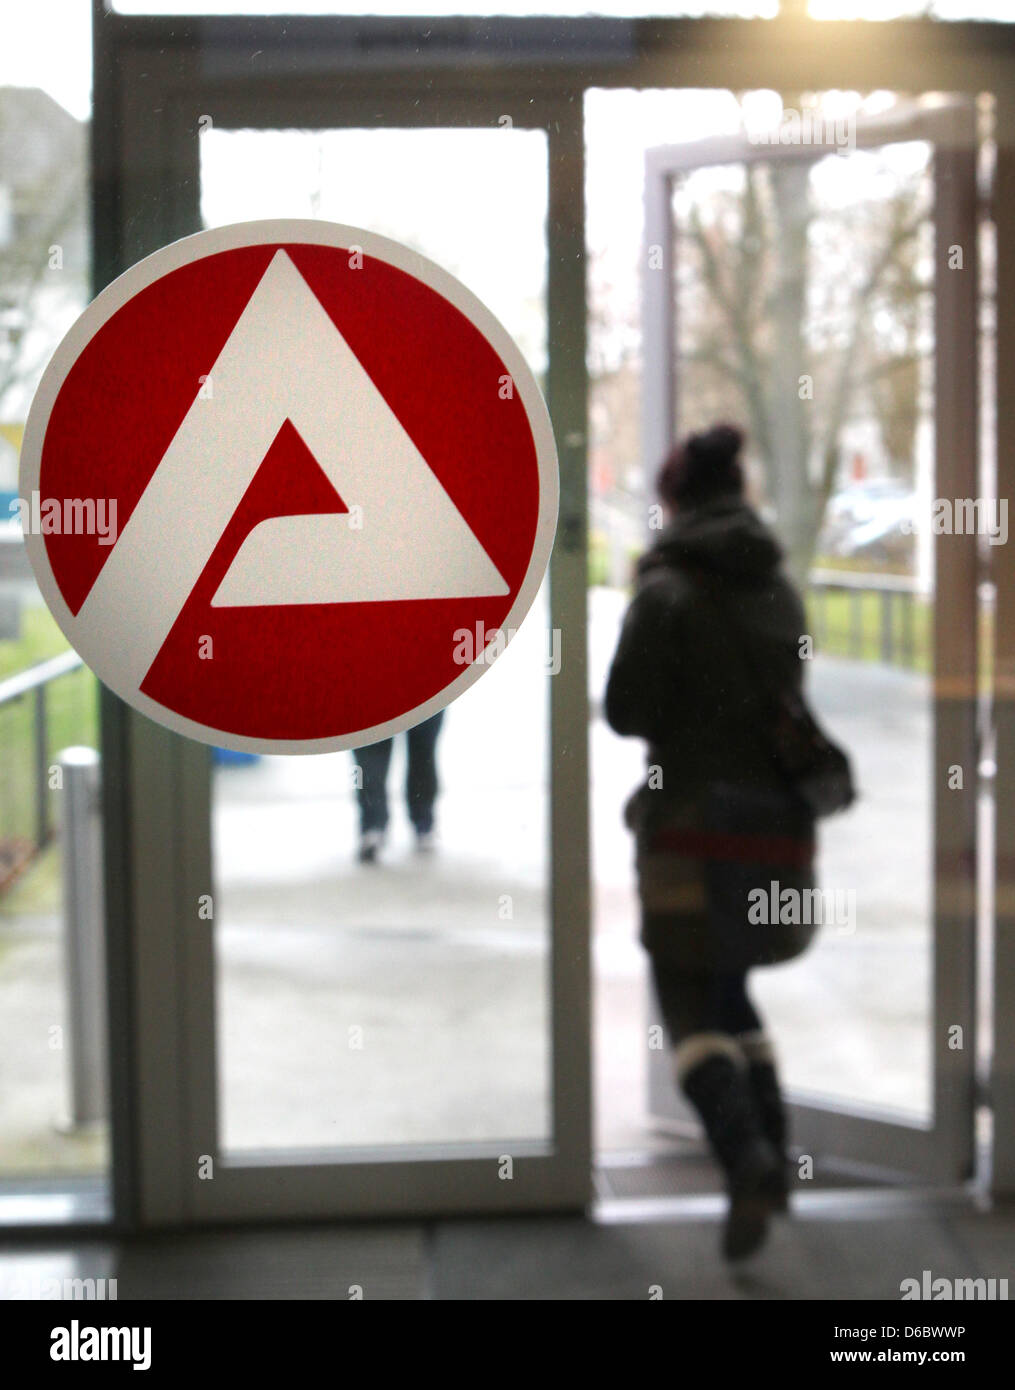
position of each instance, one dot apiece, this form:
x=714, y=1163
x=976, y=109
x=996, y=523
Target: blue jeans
x=420, y=782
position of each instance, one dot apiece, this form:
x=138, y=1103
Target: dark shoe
x=370, y=843
x=764, y=1083
x=719, y=1090
x=778, y=1189
x=754, y=1196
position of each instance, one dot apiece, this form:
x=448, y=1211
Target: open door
x=827, y=298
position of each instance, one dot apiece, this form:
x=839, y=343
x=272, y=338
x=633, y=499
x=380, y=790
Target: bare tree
x=43, y=269
x=772, y=334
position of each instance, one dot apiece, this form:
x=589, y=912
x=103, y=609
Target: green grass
x=52, y=1151
x=71, y=718
x=35, y=892
x=40, y=639
x=840, y=633
x=844, y=624
x=598, y=560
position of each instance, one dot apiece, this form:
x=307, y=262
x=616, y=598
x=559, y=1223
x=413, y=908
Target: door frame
x=158, y=784
x=870, y=1136
x=144, y=195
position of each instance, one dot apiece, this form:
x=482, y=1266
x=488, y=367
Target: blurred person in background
x=715, y=817
x=421, y=788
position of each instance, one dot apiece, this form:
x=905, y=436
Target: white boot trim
x=694, y=1050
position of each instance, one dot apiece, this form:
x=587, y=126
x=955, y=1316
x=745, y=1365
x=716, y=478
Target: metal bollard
x=84, y=953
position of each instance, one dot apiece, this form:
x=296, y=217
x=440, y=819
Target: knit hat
x=702, y=467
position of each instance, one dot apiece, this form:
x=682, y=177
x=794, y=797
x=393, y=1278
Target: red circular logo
x=275, y=474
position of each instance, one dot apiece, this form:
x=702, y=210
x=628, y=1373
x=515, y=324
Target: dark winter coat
x=714, y=819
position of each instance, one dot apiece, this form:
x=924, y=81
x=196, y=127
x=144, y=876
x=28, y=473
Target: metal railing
x=25, y=829
x=895, y=637
x=75, y=771
x=84, y=937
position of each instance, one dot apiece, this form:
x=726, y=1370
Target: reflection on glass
x=805, y=311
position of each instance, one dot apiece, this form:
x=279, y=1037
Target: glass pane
x=805, y=311
x=620, y=126
x=405, y=1000
x=52, y=1097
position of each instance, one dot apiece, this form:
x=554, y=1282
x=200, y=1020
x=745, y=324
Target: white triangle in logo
x=285, y=359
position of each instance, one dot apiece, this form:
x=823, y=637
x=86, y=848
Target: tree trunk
x=790, y=486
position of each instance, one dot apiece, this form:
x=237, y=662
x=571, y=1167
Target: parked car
x=874, y=521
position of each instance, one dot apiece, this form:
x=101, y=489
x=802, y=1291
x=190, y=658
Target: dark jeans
x=703, y=1002
x=420, y=782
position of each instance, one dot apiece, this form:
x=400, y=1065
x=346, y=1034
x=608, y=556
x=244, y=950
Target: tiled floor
x=838, y=1245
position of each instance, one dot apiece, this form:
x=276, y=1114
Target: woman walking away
x=709, y=649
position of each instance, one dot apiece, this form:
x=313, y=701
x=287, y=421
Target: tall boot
x=763, y=1078
x=712, y=1071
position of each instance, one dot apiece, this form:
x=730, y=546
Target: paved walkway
x=852, y=1016
x=409, y=1002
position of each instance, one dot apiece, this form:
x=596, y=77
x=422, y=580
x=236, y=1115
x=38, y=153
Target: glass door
x=405, y=1031
x=402, y=999
x=816, y=279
